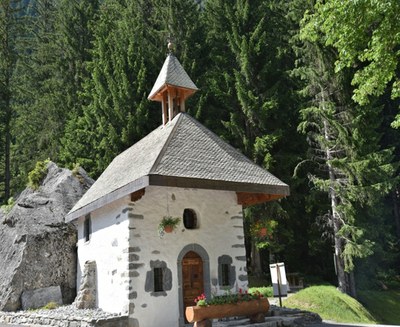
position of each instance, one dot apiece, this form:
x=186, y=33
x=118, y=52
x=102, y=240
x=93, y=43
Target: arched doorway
x=192, y=278
x=190, y=257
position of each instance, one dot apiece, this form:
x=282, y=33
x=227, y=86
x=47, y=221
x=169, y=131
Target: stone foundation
x=35, y=319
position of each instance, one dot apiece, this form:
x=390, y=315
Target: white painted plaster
x=110, y=260
x=217, y=233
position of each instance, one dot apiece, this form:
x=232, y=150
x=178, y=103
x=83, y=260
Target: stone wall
x=32, y=318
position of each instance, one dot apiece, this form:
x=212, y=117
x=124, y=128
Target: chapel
x=181, y=170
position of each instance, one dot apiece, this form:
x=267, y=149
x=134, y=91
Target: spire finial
x=170, y=47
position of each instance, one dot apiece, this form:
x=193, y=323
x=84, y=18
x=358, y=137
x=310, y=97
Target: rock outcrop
x=37, y=248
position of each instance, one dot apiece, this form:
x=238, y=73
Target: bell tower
x=172, y=87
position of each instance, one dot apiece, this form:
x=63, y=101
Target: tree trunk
x=256, y=269
x=336, y=219
x=396, y=210
x=352, y=284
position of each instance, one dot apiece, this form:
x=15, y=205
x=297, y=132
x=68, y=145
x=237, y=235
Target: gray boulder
x=37, y=248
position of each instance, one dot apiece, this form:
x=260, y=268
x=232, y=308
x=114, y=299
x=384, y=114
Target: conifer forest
x=308, y=89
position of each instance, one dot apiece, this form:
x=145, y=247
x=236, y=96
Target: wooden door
x=193, y=281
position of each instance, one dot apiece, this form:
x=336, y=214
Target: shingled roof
x=172, y=74
x=182, y=153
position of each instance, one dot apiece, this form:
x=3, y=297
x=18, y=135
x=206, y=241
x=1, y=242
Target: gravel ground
x=72, y=311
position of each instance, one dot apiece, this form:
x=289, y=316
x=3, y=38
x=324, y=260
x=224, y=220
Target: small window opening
x=225, y=269
x=158, y=280
x=87, y=228
x=189, y=219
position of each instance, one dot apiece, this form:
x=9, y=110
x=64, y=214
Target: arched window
x=189, y=219
x=87, y=228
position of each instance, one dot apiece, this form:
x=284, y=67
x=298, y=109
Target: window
x=158, y=280
x=225, y=269
x=189, y=219
x=87, y=228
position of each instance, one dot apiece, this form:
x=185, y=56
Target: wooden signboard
x=278, y=278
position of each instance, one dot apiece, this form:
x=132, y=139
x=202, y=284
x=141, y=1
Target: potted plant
x=168, y=224
x=262, y=232
x=253, y=305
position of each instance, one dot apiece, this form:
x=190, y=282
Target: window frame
x=87, y=228
x=158, y=279
x=189, y=218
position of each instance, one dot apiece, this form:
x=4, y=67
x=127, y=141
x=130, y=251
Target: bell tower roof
x=172, y=75
x=172, y=87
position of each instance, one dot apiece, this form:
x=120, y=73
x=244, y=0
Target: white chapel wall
x=108, y=247
x=220, y=232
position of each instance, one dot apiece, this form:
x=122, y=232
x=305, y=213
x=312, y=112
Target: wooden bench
x=295, y=281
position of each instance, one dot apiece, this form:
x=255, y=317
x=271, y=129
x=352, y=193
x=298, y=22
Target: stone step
x=269, y=322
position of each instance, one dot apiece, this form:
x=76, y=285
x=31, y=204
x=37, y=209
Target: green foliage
x=51, y=306
x=168, y=221
x=349, y=162
x=383, y=305
x=229, y=298
x=35, y=177
x=7, y=207
x=330, y=304
x=262, y=233
x=366, y=36
x=9, y=33
x=116, y=113
x=266, y=291
x=75, y=75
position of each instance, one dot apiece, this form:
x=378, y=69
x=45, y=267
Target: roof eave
x=186, y=182
x=133, y=186
x=156, y=95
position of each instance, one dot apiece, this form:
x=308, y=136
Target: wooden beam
x=164, y=110
x=182, y=104
x=135, y=196
x=186, y=182
x=247, y=199
x=170, y=106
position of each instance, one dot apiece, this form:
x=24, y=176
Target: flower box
x=245, y=308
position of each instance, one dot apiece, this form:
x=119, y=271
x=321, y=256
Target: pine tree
x=76, y=28
x=39, y=95
x=9, y=12
x=350, y=166
x=180, y=22
x=116, y=106
x=75, y=23
x=248, y=96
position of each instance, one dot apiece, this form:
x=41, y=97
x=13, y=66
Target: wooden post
x=170, y=106
x=182, y=104
x=278, y=274
x=164, y=110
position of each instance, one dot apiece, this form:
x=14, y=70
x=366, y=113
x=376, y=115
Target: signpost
x=279, y=282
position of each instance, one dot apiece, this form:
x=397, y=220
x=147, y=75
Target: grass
x=330, y=304
x=383, y=305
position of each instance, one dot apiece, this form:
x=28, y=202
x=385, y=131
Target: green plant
x=7, y=207
x=35, y=177
x=168, y=222
x=266, y=291
x=228, y=298
x=75, y=169
x=76, y=172
x=262, y=232
x=51, y=306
